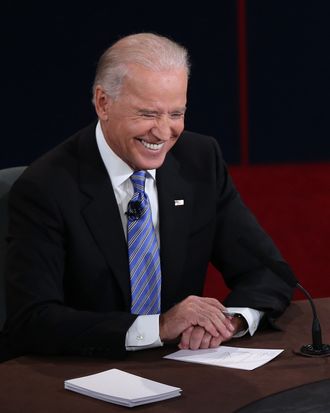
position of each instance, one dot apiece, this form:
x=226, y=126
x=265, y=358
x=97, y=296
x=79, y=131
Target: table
x=35, y=384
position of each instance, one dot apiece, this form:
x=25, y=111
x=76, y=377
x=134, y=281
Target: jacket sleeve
x=251, y=284
x=39, y=318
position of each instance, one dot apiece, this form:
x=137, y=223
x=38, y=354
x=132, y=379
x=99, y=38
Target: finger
x=196, y=337
x=209, y=308
x=216, y=341
x=185, y=338
x=217, y=321
x=227, y=321
x=208, y=325
x=206, y=340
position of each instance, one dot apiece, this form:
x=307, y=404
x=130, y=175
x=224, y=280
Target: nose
x=162, y=130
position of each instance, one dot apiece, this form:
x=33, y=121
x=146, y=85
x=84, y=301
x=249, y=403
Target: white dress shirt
x=144, y=332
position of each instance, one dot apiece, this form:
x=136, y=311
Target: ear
x=102, y=103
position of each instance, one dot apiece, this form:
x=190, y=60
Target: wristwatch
x=242, y=319
x=244, y=324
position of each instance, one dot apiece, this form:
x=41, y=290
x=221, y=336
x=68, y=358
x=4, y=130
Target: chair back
x=7, y=178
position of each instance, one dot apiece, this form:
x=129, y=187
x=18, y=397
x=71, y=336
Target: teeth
x=152, y=146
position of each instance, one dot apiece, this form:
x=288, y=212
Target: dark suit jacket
x=68, y=284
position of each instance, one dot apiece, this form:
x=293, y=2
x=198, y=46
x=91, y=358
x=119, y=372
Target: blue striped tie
x=143, y=251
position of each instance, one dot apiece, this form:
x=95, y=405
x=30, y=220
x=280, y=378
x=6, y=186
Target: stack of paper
x=122, y=388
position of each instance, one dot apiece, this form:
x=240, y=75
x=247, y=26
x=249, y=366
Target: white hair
x=155, y=52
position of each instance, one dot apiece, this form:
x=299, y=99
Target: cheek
x=180, y=127
x=138, y=129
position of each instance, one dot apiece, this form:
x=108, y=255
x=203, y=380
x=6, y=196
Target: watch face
x=230, y=314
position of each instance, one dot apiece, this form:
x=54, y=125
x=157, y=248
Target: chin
x=150, y=163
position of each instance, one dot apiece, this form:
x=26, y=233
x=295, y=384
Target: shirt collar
x=118, y=170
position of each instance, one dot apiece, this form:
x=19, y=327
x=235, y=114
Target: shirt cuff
x=143, y=333
x=251, y=316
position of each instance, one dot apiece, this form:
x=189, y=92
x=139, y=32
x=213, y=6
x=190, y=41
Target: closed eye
x=177, y=115
x=148, y=114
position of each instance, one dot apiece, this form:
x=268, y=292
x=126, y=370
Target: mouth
x=152, y=146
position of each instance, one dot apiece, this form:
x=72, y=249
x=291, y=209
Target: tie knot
x=138, y=179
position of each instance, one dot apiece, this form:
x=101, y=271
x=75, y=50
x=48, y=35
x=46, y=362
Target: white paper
x=224, y=356
x=122, y=388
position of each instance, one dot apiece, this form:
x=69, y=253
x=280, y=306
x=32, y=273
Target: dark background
x=50, y=50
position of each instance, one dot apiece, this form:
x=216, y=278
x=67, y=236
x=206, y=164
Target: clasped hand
x=199, y=322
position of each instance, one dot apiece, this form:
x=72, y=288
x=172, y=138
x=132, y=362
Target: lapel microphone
x=283, y=270
x=134, y=210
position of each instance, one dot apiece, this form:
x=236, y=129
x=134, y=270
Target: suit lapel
x=175, y=208
x=102, y=215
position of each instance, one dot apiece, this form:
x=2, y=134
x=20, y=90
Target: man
x=70, y=264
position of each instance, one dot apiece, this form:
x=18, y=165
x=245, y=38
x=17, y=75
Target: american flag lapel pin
x=178, y=202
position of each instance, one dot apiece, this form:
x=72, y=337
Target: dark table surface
x=36, y=384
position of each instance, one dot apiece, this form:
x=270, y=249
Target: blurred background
x=260, y=84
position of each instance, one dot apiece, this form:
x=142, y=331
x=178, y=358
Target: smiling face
x=146, y=120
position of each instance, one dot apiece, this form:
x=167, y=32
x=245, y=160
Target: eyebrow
x=156, y=112
x=147, y=111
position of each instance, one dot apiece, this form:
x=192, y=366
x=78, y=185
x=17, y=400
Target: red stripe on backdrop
x=243, y=81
